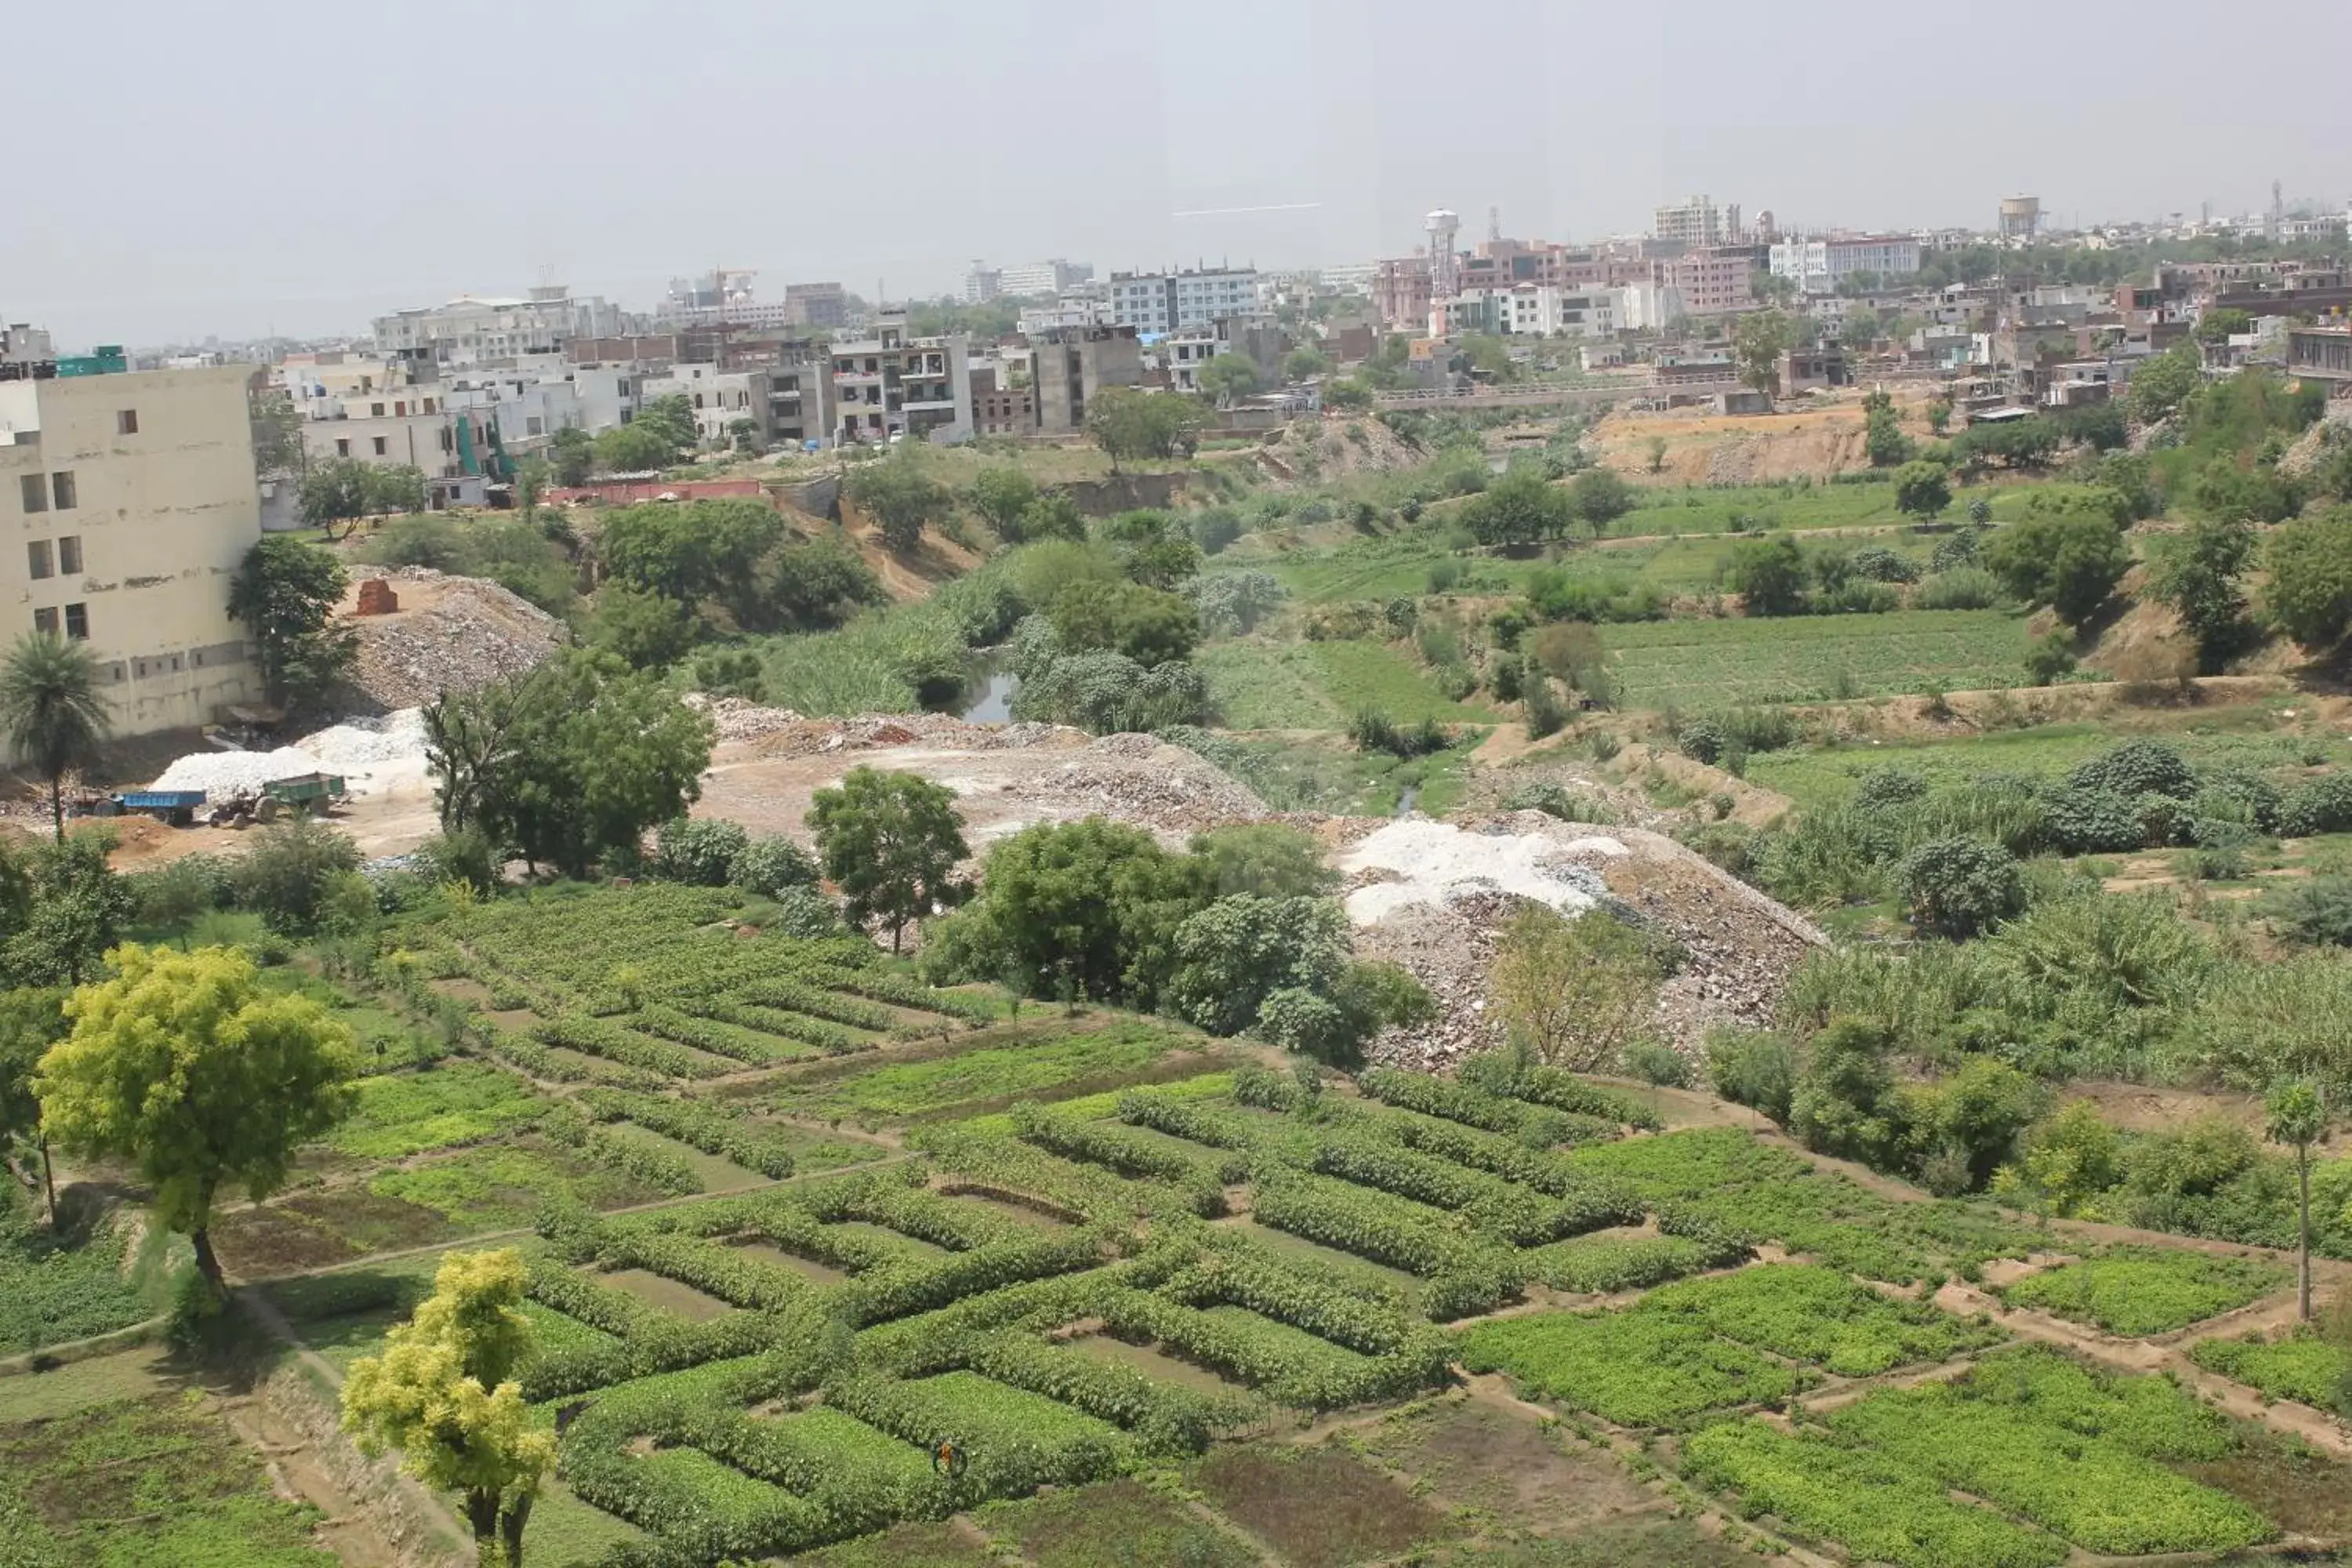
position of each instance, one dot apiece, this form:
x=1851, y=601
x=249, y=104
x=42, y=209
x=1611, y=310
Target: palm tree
x=50, y=711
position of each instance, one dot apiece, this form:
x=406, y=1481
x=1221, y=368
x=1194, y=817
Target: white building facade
x=1820, y=266
x=1171, y=301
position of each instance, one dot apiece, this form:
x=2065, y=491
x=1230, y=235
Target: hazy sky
x=255, y=164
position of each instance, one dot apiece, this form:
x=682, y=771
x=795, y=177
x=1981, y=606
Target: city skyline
x=200, y=210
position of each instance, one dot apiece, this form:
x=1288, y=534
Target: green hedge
x=706, y=1127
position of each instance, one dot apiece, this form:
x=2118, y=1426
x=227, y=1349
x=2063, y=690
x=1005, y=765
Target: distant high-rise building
x=982, y=284
x=1697, y=221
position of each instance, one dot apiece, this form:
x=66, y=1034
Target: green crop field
x=1098, y=1252
x=1259, y=685
x=1719, y=510
x=2258, y=736
x=1702, y=664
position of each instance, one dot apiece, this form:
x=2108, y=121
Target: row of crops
x=665, y=983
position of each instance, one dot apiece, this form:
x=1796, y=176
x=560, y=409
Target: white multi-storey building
x=1171, y=301
x=719, y=398
x=1820, y=266
x=468, y=330
x=135, y=499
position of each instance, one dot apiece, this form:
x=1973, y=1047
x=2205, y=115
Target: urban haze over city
x=1285, y=785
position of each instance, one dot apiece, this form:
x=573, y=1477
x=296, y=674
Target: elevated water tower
x=1445, y=265
x=2021, y=219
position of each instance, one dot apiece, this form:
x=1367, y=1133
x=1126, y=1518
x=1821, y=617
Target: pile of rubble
x=450, y=634
x=1435, y=907
x=780, y=733
x=1140, y=779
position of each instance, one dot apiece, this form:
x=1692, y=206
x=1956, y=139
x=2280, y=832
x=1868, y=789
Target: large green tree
x=1228, y=378
x=1149, y=625
x=286, y=593
x=2309, y=595
x=688, y=551
x=2198, y=575
x=2161, y=384
x=569, y=763
x=445, y=1393
x=186, y=1067
x=1521, y=508
x=2068, y=556
x=1922, y=489
x=51, y=711
x=1080, y=910
x=890, y=841
x=1769, y=575
x=571, y=454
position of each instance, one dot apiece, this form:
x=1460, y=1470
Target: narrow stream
x=1406, y=796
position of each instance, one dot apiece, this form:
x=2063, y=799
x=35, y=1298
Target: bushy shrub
x=2238, y=796
x=805, y=912
x=180, y=890
x=2322, y=805
x=1957, y=549
x=1959, y=588
x=1655, y=1063
x=2050, y=657
x=1858, y=597
x=1961, y=886
x=2092, y=821
x=1888, y=786
x=1844, y=1101
x=700, y=851
x=1557, y=800
x=1752, y=1068
x=2318, y=912
x=2136, y=768
x=290, y=874
x=1880, y=564
x=771, y=866
x=1703, y=740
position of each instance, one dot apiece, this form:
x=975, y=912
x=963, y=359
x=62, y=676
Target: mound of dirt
x=1741, y=945
x=1705, y=448
x=1310, y=451
x=449, y=633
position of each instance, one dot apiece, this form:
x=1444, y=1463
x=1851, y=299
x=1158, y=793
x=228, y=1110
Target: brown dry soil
x=1478, y=1461
x=1317, y=1507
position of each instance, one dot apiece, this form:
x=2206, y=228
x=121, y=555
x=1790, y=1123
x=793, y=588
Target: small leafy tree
x=2198, y=577
x=1003, y=497
x=443, y=1393
x=2294, y=1113
x=571, y=454
x=890, y=842
x=186, y=1066
x=1883, y=439
x=1599, y=497
x=1131, y=425
x=286, y=593
x=1769, y=575
x=1959, y=887
x=1922, y=489
x=51, y=711
x=1757, y=341
x=31, y=1021
x=1228, y=378
x=1574, y=992
x=900, y=501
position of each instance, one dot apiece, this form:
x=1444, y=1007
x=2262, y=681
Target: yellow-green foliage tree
x=1574, y=993
x=183, y=1065
x=444, y=1394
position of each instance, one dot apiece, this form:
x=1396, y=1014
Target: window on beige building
x=36, y=491
x=126, y=422
x=78, y=622
x=36, y=559
x=63, y=492
x=69, y=555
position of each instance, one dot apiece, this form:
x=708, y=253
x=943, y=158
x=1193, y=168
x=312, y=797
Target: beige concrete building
x=131, y=502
